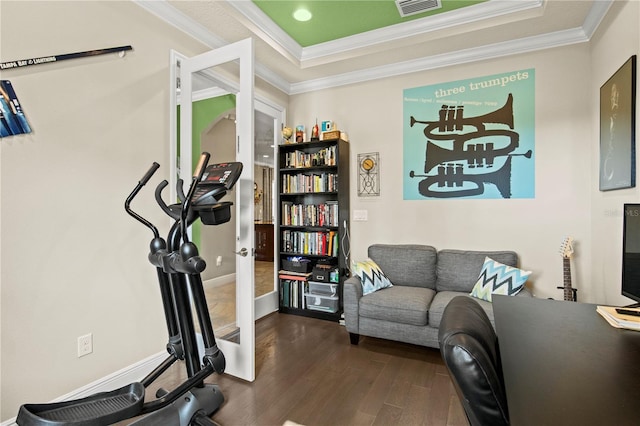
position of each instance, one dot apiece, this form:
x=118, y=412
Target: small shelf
x=311, y=313
x=307, y=169
x=295, y=194
x=295, y=254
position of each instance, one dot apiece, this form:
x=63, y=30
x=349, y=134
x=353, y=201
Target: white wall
x=611, y=47
x=371, y=114
x=72, y=261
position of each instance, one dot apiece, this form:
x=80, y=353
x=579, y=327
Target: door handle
x=243, y=252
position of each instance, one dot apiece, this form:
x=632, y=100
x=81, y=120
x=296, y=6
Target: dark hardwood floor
x=307, y=372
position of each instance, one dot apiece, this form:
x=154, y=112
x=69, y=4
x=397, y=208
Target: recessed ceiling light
x=302, y=15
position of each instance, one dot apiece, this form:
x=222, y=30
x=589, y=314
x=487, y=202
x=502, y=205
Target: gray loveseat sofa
x=424, y=281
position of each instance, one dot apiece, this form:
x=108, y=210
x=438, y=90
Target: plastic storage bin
x=319, y=302
x=325, y=289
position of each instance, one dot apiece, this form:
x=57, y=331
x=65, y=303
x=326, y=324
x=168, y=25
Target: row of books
x=322, y=243
x=300, y=159
x=308, y=183
x=310, y=214
x=292, y=290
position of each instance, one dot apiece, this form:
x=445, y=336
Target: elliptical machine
x=178, y=267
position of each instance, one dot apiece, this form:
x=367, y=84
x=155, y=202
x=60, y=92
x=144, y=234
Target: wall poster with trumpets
x=471, y=138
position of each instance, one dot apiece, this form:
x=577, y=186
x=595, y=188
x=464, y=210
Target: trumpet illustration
x=452, y=119
x=460, y=170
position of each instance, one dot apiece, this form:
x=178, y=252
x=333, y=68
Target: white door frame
x=240, y=356
x=266, y=303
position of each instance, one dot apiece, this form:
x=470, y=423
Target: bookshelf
x=313, y=221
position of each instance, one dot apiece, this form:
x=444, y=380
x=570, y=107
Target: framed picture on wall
x=617, y=129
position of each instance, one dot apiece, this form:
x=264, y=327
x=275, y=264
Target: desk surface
x=565, y=365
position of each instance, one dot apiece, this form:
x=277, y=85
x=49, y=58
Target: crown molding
x=430, y=24
x=582, y=34
x=163, y=10
x=595, y=16
x=492, y=51
x=275, y=36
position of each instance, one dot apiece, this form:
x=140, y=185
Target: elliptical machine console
x=216, y=181
x=178, y=267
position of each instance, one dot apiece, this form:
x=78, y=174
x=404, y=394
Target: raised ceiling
x=333, y=20
x=476, y=32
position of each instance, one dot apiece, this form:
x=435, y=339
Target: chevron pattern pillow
x=497, y=278
x=371, y=276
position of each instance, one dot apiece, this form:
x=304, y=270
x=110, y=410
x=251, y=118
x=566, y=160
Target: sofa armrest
x=525, y=292
x=352, y=294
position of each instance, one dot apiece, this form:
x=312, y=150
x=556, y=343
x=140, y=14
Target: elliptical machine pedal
x=100, y=409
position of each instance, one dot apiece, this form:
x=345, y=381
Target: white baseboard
x=130, y=374
x=133, y=373
x=219, y=281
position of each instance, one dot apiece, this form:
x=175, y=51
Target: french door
x=238, y=345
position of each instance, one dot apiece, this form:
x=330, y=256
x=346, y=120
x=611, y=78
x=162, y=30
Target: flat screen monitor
x=631, y=252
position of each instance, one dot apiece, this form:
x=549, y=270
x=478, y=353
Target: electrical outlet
x=219, y=261
x=85, y=345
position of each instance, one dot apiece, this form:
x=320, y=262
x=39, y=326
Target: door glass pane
x=263, y=203
x=218, y=242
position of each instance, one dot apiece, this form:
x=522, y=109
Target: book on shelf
x=320, y=243
x=292, y=275
x=292, y=293
x=301, y=159
x=324, y=214
x=617, y=320
x=309, y=183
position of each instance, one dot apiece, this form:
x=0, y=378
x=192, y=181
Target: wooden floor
x=221, y=299
x=307, y=372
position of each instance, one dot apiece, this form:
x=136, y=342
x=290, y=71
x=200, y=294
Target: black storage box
x=321, y=273
x=303, y=265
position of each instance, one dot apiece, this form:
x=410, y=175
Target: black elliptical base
x=101, y=409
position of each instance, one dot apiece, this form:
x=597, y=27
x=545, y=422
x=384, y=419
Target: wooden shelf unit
x=313, y=215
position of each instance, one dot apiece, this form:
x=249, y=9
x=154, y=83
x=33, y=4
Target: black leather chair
x=469, y=348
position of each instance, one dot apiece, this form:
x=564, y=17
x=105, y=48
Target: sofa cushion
x=442, y=299
x=371, y=276
x=408, y=264
x=458, y=270
x=401, y=304
x=497, y=278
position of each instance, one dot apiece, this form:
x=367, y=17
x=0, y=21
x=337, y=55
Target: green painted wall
x=203, y=114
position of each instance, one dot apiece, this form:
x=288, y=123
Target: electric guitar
x=566, y=249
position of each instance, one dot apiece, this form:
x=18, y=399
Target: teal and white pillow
x=497, y=278
x=371, y=276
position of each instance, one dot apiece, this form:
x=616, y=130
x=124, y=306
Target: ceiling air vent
x=411, y=7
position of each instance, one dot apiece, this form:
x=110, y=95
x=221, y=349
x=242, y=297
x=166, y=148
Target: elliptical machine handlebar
x=174, y=210
x=155, y=166
x=186, y=205
x=127, y=204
